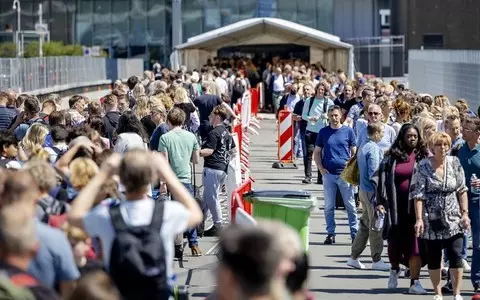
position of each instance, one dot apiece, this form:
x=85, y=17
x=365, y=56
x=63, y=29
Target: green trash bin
x=290, y=207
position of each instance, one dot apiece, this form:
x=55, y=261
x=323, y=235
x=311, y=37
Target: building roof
x=263, y=31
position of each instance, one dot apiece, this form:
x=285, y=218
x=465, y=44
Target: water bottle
x=379, y=222
x=474, y=190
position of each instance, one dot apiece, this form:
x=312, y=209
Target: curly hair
x=398, y=151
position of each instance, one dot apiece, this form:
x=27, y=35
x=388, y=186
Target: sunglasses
x=373, y=113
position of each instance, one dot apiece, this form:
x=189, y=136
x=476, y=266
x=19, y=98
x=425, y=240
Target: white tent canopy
x=325, y=48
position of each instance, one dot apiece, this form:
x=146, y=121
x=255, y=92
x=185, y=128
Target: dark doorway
x=266, y=52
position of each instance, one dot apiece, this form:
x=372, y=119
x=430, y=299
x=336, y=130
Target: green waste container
x=290, y=207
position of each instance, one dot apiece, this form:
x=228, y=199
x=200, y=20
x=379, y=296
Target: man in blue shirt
x=375, y=115
x=335, y=145
x=469, y=156
x=368, y=159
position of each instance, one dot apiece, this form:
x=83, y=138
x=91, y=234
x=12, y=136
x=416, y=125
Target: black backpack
x=138, y=258
x=237, y=90
x=51, y=207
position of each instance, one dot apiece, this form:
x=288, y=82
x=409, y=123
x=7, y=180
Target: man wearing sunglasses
x=374, y=115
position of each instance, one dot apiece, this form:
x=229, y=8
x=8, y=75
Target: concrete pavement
x=330, y=278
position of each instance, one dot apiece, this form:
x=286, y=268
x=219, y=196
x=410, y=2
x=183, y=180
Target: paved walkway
x=330, y=278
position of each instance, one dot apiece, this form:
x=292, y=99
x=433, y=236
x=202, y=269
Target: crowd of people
x=415, y=160
x=96, y=199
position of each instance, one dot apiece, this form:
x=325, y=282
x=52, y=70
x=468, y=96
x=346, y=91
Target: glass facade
x=143, y=28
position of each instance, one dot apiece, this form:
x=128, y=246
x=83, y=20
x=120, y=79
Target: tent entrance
x=265, y=52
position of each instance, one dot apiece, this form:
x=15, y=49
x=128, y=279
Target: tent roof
x=263, y=31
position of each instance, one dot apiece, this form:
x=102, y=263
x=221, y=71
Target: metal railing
x=382, y=56
x=453, y=73
x=53, y=74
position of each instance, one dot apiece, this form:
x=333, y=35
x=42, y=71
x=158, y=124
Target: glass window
x=102, y=18
x=287, y=9
x=230, y=11
x=159, y=29
x=84, y=21
x=307, y=13
x=248, y=9
x=192, y=18
x=325, y=15
x=60, y=19
x=138, y=23
x=212, y=15
x=120, y=23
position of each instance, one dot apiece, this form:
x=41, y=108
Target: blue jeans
x=474, y=214
x=297, y=143
x=192, y=233
x=330, y=184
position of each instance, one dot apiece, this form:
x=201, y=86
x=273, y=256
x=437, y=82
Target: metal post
x=16, y=5
x=40, y=21
x=177, y=36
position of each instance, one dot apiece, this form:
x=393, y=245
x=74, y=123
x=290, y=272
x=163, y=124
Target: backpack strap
x=157, y=217
x=325, y=104
x=310, y=104
x=117, y=219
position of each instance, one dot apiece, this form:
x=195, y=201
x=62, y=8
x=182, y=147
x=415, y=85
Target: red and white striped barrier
x=285, y=140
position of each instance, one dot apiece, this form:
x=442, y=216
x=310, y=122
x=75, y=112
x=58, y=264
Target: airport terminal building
x=143, y=28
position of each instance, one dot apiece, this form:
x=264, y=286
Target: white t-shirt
x=128, y=141
x=222, y=86
x=97, y=223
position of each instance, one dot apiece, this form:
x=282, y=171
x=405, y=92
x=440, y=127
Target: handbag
x=437, y=217
x=351, y=173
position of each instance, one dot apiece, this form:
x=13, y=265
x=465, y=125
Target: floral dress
x=439, y=196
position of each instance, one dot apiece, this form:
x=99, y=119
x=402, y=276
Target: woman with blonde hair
x=441, y=101
x=82, y=170
x=182, y=101
x=142, y=111
x=138, y=91
x=427, y=127
x=34, y=137
x=164, y=99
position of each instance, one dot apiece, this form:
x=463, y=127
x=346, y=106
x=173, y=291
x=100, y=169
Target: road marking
x=214, y=248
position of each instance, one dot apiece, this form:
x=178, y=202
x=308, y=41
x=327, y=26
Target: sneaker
x=329, y=240
x=458, y=297
x=447, y=288
x=213, y=231
x=444, y=274
x=417, y=289
x=406, y=273
x=307, y=180
x=437, y=297
x=381, y=266
x=393, y=279
x=466, y=266
x=196, y=251
x=355, y=263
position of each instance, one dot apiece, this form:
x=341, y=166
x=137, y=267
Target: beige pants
x=365, y=232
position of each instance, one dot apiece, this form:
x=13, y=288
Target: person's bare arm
x=229, y=109
x=195, y=157
x=206, y=152
x=353, y=150
x=64, y=161
x=317, y=156
x=86, y=198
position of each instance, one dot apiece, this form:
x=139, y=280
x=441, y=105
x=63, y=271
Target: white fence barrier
x=453, y=73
